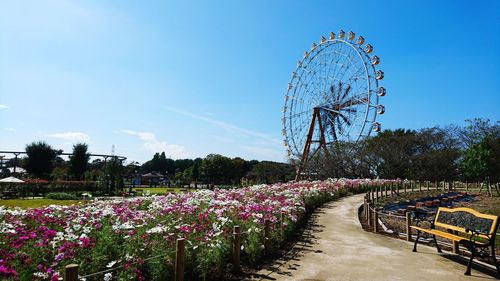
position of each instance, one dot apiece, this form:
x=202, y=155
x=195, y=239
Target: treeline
x=469, y=153
x=44, y=162
x=217, y=169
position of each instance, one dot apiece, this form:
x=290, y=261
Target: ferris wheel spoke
x=345, y=119
x=337, y=77
x=344, y=63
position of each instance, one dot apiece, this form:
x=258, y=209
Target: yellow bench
x=475, y=230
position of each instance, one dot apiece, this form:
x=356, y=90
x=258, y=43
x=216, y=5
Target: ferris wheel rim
x=369, y=74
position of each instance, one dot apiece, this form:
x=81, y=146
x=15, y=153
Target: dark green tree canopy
x=40, y=160
x=79, y=160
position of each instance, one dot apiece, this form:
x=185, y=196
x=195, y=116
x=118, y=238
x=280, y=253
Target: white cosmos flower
x=111, y=263
x=108, y=276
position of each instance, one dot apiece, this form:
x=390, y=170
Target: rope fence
x=71, y=271
x=374, y=218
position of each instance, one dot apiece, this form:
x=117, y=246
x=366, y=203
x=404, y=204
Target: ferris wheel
x=333, y=96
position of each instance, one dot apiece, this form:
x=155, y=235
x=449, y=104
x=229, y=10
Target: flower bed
x=125, y=233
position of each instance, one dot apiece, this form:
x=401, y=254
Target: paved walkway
x=336, y=248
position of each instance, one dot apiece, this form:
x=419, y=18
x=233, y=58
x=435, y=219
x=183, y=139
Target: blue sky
x=197, y=77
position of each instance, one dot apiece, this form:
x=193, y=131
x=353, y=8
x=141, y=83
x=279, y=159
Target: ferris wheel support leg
x=307, y=145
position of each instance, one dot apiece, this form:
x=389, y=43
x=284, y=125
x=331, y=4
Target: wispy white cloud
x=71, y=136
x=227, y=126
x=3, y=106
x=9, y=129
x=152, y=144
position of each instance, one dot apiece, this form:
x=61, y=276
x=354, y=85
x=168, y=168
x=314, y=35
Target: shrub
x=61, y=196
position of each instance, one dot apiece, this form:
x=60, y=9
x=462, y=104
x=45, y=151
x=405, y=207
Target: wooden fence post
x=364, y=207
x=71, y=272
x=466, y=186
x=367, y=210
x=369, y=214
x=427, y=185
x=404, y=187
x=236, y=248
x=179, y=259
x=408, y=228
x=267, y=250
x=412, y=185
x=419, y=186
x=375, y=220
x=385, y=189
x=376, y=194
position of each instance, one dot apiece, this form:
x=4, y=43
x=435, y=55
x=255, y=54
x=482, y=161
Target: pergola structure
x=59, y=152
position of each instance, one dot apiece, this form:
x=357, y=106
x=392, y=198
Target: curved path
x=336, y=248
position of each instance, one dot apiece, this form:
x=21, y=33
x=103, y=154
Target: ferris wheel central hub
x=337, y=82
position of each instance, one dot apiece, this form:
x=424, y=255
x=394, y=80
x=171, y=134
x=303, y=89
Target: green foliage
x=78, y=161
x=253, y=246
x=60, y=196
x=271, y=172
x=215, y=168
x=482, y=156
x=60, y=173
x=111, y=181
x=475, y=164
x=40, y=159
x=160, y=164
x=477, y=130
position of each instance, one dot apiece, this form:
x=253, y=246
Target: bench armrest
x=473, y=232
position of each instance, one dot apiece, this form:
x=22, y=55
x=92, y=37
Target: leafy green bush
x=60, y=196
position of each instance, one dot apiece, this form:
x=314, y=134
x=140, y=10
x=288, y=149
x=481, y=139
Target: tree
x=477, y=129
x=216, y=168
x=272, y=172
x=482, y=160
x=237, y=170
x=481, y=157
x=78, y=161
x=113, y=176
x=40, y=160
x=391, y=153
x=436, y=157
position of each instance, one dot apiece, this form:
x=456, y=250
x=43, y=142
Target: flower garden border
x=71, y=271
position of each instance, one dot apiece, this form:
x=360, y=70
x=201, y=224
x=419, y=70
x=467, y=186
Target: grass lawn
x=35, y=203
x=41, y=202
x=159, y=190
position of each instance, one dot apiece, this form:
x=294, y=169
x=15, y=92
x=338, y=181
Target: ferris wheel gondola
x=333, y=96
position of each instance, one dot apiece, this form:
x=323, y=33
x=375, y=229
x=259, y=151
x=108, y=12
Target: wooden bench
x=476, y=231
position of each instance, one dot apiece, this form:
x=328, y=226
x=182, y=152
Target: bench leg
x=495, y=262
x=416, y=241
x=469, y=264
x=437, y=245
